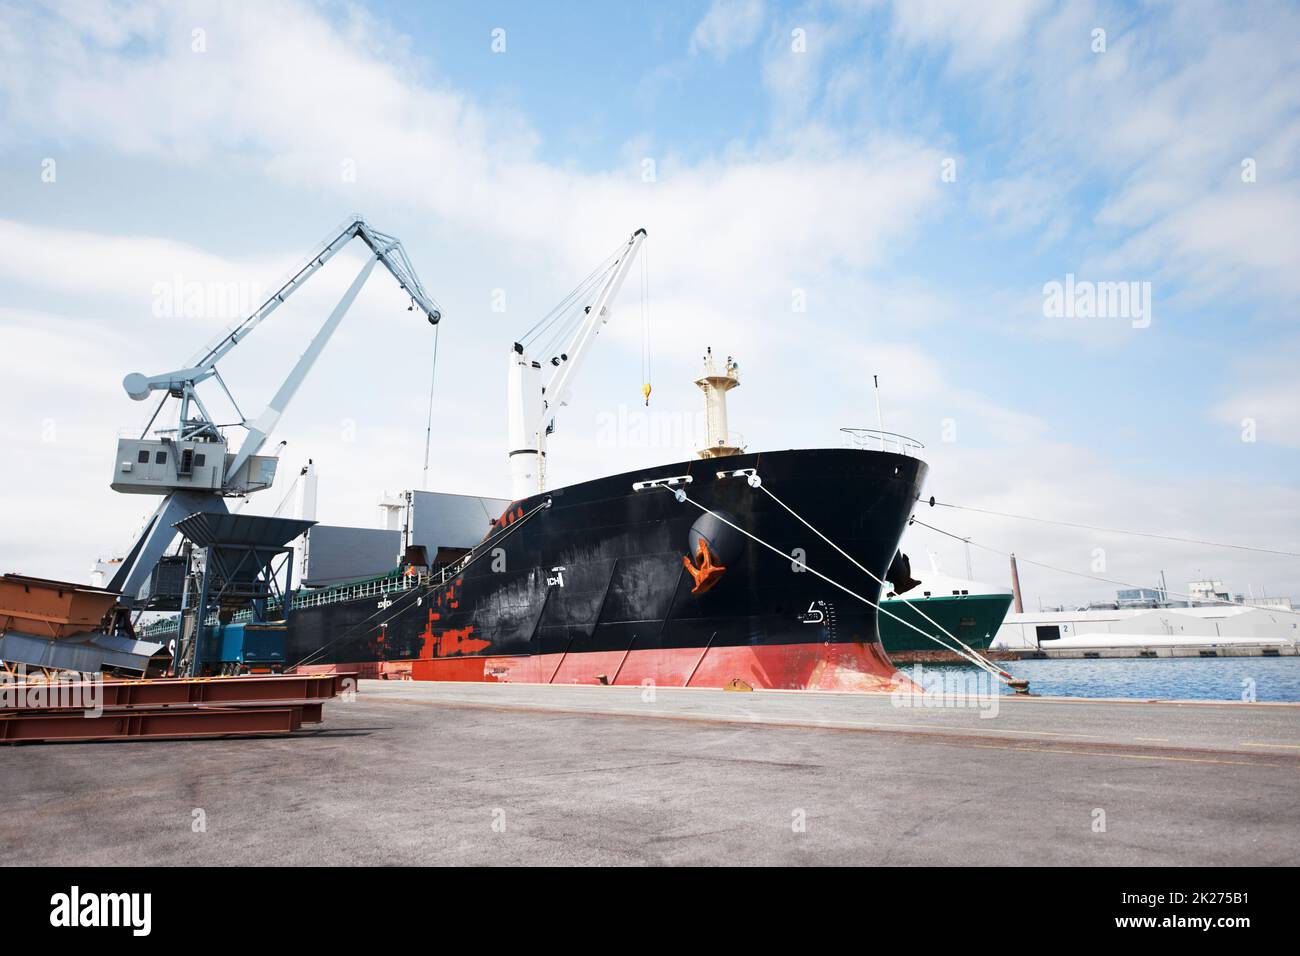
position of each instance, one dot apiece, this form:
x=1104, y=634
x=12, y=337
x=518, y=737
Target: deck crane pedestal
x=192, y=465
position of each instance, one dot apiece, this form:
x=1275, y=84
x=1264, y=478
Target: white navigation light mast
x=720, y=442
x=532, y=405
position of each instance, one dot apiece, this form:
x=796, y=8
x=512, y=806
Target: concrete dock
x=428, y=773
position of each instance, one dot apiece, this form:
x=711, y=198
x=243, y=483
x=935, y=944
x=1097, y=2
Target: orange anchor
x=707, y=573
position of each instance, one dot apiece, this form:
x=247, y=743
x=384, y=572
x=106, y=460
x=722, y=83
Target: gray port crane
x=192, y=465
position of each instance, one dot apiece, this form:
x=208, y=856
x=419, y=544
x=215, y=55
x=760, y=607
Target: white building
x=1209, y=631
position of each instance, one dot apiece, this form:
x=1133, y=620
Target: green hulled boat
x=969, y=610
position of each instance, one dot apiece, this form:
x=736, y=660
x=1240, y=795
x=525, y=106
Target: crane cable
x=549, y=319
x=645, y=322
x=428, y=426
x=568, y=323
x=1140, y=534
x=565, y=322
x=287, y=495
x=1094, y=577
x=561, y=339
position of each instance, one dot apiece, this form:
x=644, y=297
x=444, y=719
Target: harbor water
x=1274, y=679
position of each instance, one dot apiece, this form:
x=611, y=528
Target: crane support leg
x=157, y=537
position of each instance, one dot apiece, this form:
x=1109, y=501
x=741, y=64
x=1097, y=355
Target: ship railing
x=873, y=439
x=730, y=440
x=378, y=587
x=312, y=597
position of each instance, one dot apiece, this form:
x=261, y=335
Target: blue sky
x=777, y=170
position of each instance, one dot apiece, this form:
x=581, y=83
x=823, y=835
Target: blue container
x=247, y=645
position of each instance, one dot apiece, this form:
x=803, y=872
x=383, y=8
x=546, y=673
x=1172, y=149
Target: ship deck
x=419, y=773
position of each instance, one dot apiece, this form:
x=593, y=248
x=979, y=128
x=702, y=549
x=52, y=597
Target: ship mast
x=719, y=442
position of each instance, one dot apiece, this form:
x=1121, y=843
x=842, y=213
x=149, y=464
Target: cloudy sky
x=832, y=190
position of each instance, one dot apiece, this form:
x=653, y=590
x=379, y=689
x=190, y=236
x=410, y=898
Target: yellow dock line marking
x=1158, y=740
x=1247, y=743
x=1106, y=753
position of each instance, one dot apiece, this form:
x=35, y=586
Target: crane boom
x=533, y=406
x=560, y=389
x=388, y=250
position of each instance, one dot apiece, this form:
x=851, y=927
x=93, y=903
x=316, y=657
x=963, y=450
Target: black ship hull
x=612, y=585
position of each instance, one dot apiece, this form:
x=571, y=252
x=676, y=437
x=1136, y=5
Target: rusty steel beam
x=175, y=708
x=223, y=690
x=213, y=691
x=312, y=710
x=172, y=723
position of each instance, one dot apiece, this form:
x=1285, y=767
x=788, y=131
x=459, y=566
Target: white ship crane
x=191, y=465
x=534, y=405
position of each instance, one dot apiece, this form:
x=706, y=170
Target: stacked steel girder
x=160, y=709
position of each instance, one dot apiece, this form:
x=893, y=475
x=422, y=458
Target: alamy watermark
x=76, y=908
x=632, y=427
x=179, y=298
x=63, y=690
x=1084, y=299
x=953, y=687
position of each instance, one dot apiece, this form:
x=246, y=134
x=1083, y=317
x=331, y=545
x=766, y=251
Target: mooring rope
x=947, y=633
x=978, y=662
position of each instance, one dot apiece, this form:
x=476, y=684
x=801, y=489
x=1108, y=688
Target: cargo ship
x=616, y=581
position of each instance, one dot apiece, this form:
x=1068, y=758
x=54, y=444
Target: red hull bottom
x=843, y=667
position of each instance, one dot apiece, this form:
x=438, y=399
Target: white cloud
x=99, y=264
x=976, y=34
x=1156, y=128
x=728, y=26
x=1233, y=243
x=1034, y=201
x=836, y=200
x=922, y=399
x=1263, y=401
x=1134, y=153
